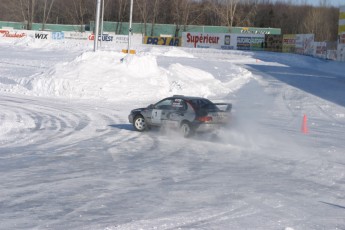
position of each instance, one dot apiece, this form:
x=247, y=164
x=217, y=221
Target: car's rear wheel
x=186, y=129
x=139, y=123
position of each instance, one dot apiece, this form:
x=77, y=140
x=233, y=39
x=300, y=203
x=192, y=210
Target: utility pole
x=130, y=28
x=102, y=22
x=98, y=9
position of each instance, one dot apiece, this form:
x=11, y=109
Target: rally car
x=185, y=113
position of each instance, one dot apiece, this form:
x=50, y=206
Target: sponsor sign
x=341, y=52
x=223, y=41
x=304, y=44
x=273, y=43
x=250, y=30
x=254, y=30
x=201, y=40
x=308, y=44
x=250, y=42
x=320, y=49
x=208, y=40
x=121, y=39
x=289, y=42
x=257, y=42
x=58, y=35
x=342, y=38
x=104, y=37
x=165, y=41
x=76, y=35
x=3, y=31
x=12, y=34
x=41, y=35
x=243, y=43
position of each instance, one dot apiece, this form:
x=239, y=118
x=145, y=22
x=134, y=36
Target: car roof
x=187, y=97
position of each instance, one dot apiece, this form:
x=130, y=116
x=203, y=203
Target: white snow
x=69, y=159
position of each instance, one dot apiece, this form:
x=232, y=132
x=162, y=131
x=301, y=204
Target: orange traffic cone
x=304, y=125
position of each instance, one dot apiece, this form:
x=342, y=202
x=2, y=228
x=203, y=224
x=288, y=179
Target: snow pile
x=189, y=80
x=115, y=76
x=99, y=75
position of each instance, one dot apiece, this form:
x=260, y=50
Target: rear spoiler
x=225, y=107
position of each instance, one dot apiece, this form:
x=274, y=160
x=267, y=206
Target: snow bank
x=113, y=75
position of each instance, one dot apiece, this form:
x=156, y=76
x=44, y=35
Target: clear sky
x=317, y=2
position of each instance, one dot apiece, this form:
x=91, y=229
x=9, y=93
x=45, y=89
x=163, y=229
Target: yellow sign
x=289, y=41
x=341, y=20
x=165, y=41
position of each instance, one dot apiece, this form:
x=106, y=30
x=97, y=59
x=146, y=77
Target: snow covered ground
x=69, y=159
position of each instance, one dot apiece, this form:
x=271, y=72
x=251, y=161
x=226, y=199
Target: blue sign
x=58, y=35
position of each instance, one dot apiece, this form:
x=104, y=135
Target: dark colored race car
x=188, y=114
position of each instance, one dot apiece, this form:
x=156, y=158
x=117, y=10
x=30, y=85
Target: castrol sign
x=206, y=40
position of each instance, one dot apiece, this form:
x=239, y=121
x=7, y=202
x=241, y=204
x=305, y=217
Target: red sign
x=7, y=34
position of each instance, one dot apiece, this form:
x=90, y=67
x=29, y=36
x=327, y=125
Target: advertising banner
x=41, y=35
x=341, y=52
x=121, y=39
x=206, y=40
x=320, y=49
x=254, y=30
x=165, y=41
x=273, y=43
x=58, y=36
x=76, y=35
x=304, y=44
x=299, y=47
x=223, y=41
x=342, y=38
x=13, y=33
x=257, y=42
x=250, y=41
x=103, y=37
x=289, y=42
x=243, y=42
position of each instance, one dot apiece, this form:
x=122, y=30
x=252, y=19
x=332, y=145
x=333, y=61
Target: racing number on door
x=156, y=116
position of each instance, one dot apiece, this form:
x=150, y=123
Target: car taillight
x=205, y=119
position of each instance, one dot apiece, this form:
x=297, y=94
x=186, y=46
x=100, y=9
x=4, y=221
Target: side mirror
x=150, y=106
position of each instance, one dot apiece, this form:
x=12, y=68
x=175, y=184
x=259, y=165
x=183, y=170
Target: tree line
x=320, y=20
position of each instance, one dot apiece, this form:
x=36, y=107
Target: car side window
x=179, y=104
x=165, y=104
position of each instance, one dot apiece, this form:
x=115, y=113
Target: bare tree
x=80, y=11
x=227, y=10
x=244, y=14
x=231, y=7
x=28, y=11
x=154, y=15
x=47, y=7
x=9, y=10
x=301, y=18
x=181, y=13
x=143, y=7
x=316, y=23
x=122, y=5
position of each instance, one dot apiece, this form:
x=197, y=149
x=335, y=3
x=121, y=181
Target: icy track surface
x=70, y=160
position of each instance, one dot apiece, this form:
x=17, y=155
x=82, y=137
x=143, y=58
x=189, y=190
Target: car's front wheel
x=186, y=129
x=139, y=123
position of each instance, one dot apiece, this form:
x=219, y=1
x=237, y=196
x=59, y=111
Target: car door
x=160, y=111
x=179, y=108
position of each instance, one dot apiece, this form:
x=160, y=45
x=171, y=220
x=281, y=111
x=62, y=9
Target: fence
x=293, y=43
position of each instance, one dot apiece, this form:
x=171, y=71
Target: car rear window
x=203, y=104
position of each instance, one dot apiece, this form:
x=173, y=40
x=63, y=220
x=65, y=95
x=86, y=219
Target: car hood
x=138, y=110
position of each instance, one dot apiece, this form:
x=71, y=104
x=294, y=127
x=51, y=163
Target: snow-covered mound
x=113, y=75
